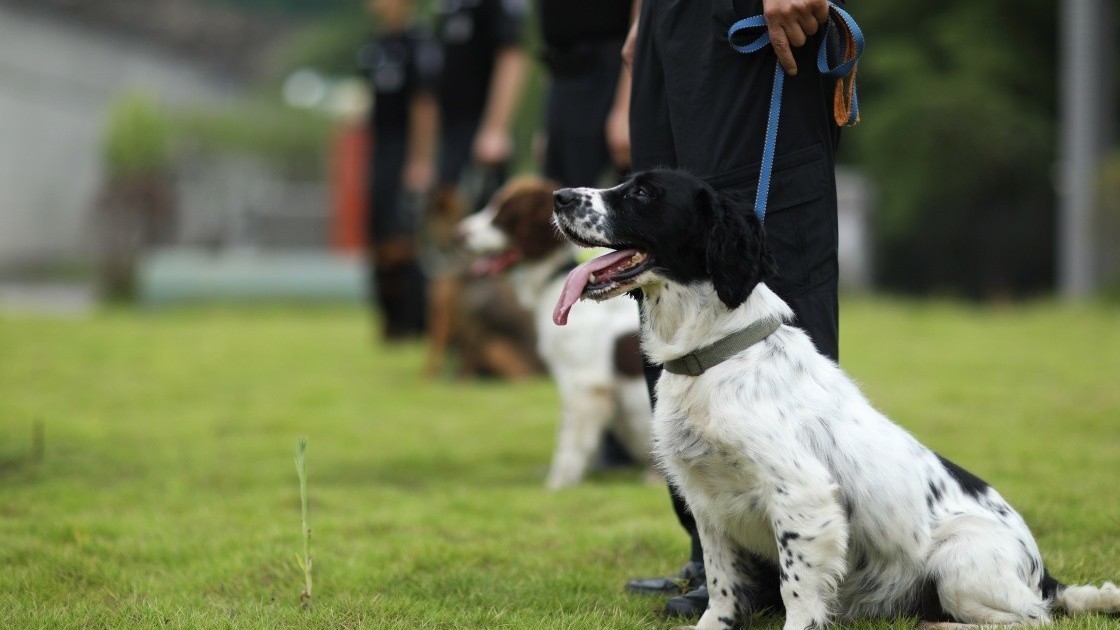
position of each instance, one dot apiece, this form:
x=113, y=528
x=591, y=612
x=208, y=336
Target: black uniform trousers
x=698, y=105
x=455, y=167
x=583, y=82
x=397, y=284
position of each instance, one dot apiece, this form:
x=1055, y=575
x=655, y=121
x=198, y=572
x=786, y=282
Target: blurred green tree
x=959, y=104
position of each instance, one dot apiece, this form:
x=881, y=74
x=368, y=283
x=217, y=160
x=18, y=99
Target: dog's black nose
x=564, y=198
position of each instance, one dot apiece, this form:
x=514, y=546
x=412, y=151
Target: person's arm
x=632, y=36
x=423, y=124
x=494, y=142
x=791, y=23
x=618, y=122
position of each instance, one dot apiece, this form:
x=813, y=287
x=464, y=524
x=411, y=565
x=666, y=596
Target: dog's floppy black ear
x=737, y=256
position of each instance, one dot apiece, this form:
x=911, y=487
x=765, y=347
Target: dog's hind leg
x=587, y=412
x=984, y=575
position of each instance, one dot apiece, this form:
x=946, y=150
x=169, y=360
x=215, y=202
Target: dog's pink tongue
x=577, y=281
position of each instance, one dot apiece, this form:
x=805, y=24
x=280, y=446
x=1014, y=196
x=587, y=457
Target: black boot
x=690, y=577
x=691, y=604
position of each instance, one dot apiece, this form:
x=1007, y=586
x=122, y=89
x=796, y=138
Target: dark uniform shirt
x=568, y=22
x=399, y=66
x=471, y=33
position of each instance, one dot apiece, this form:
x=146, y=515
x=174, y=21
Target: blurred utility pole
x=1086, y=94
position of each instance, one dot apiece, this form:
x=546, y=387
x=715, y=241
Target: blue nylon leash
x=847, y=106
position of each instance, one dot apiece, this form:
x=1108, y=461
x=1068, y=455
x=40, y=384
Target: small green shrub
x=292, y=138
x=138, y=136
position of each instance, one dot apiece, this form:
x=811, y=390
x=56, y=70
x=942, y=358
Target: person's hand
x=791, y=23
x=618, y=135
x=492, y=146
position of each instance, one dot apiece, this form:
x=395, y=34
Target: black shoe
x=691, y=604
x=691, y=576
x=612, y=455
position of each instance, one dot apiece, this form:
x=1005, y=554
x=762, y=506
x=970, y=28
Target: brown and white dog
x=595, y=360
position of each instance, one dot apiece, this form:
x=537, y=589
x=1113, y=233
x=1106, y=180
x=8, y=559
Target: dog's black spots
x=783, y=575
x=795, y=594
x=929, y=501
x=1049, y=586
x=723, y=592
x=715, y=581
x=1032, y=561
x=728, y=623
x=758, y=585
x=929, y=604
x=796, y=577
x=754, y=504
x=969, y=483
x=628, y=355
x=800, y=557
x=934, y=491
x=785, y=537
x=789, y=563
x=861, y=562
x=848, y=506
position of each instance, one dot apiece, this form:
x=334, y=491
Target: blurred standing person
x=699, y=105
x=403, y=68
x=484, y=68
x=586, y=110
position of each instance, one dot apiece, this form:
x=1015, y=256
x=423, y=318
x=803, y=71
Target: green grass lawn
x=167, y=496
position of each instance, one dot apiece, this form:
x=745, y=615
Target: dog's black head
x=669, y=226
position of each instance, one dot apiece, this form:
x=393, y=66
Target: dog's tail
x=1082, y=598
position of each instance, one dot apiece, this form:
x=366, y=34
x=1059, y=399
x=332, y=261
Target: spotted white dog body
x=807, y=499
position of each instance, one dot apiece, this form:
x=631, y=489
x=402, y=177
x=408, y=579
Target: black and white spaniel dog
x=806, y=497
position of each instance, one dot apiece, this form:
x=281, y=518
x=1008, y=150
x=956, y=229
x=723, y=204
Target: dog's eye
x=639, y=192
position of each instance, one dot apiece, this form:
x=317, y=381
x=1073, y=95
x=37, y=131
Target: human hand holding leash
x=791, y=23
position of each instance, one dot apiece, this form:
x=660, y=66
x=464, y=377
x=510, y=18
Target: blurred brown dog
x=475, y=319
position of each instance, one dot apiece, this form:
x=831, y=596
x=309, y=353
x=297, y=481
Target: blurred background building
x=64, y=67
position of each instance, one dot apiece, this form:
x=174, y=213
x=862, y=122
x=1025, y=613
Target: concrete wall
x=57, y=81
x=855, y=203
